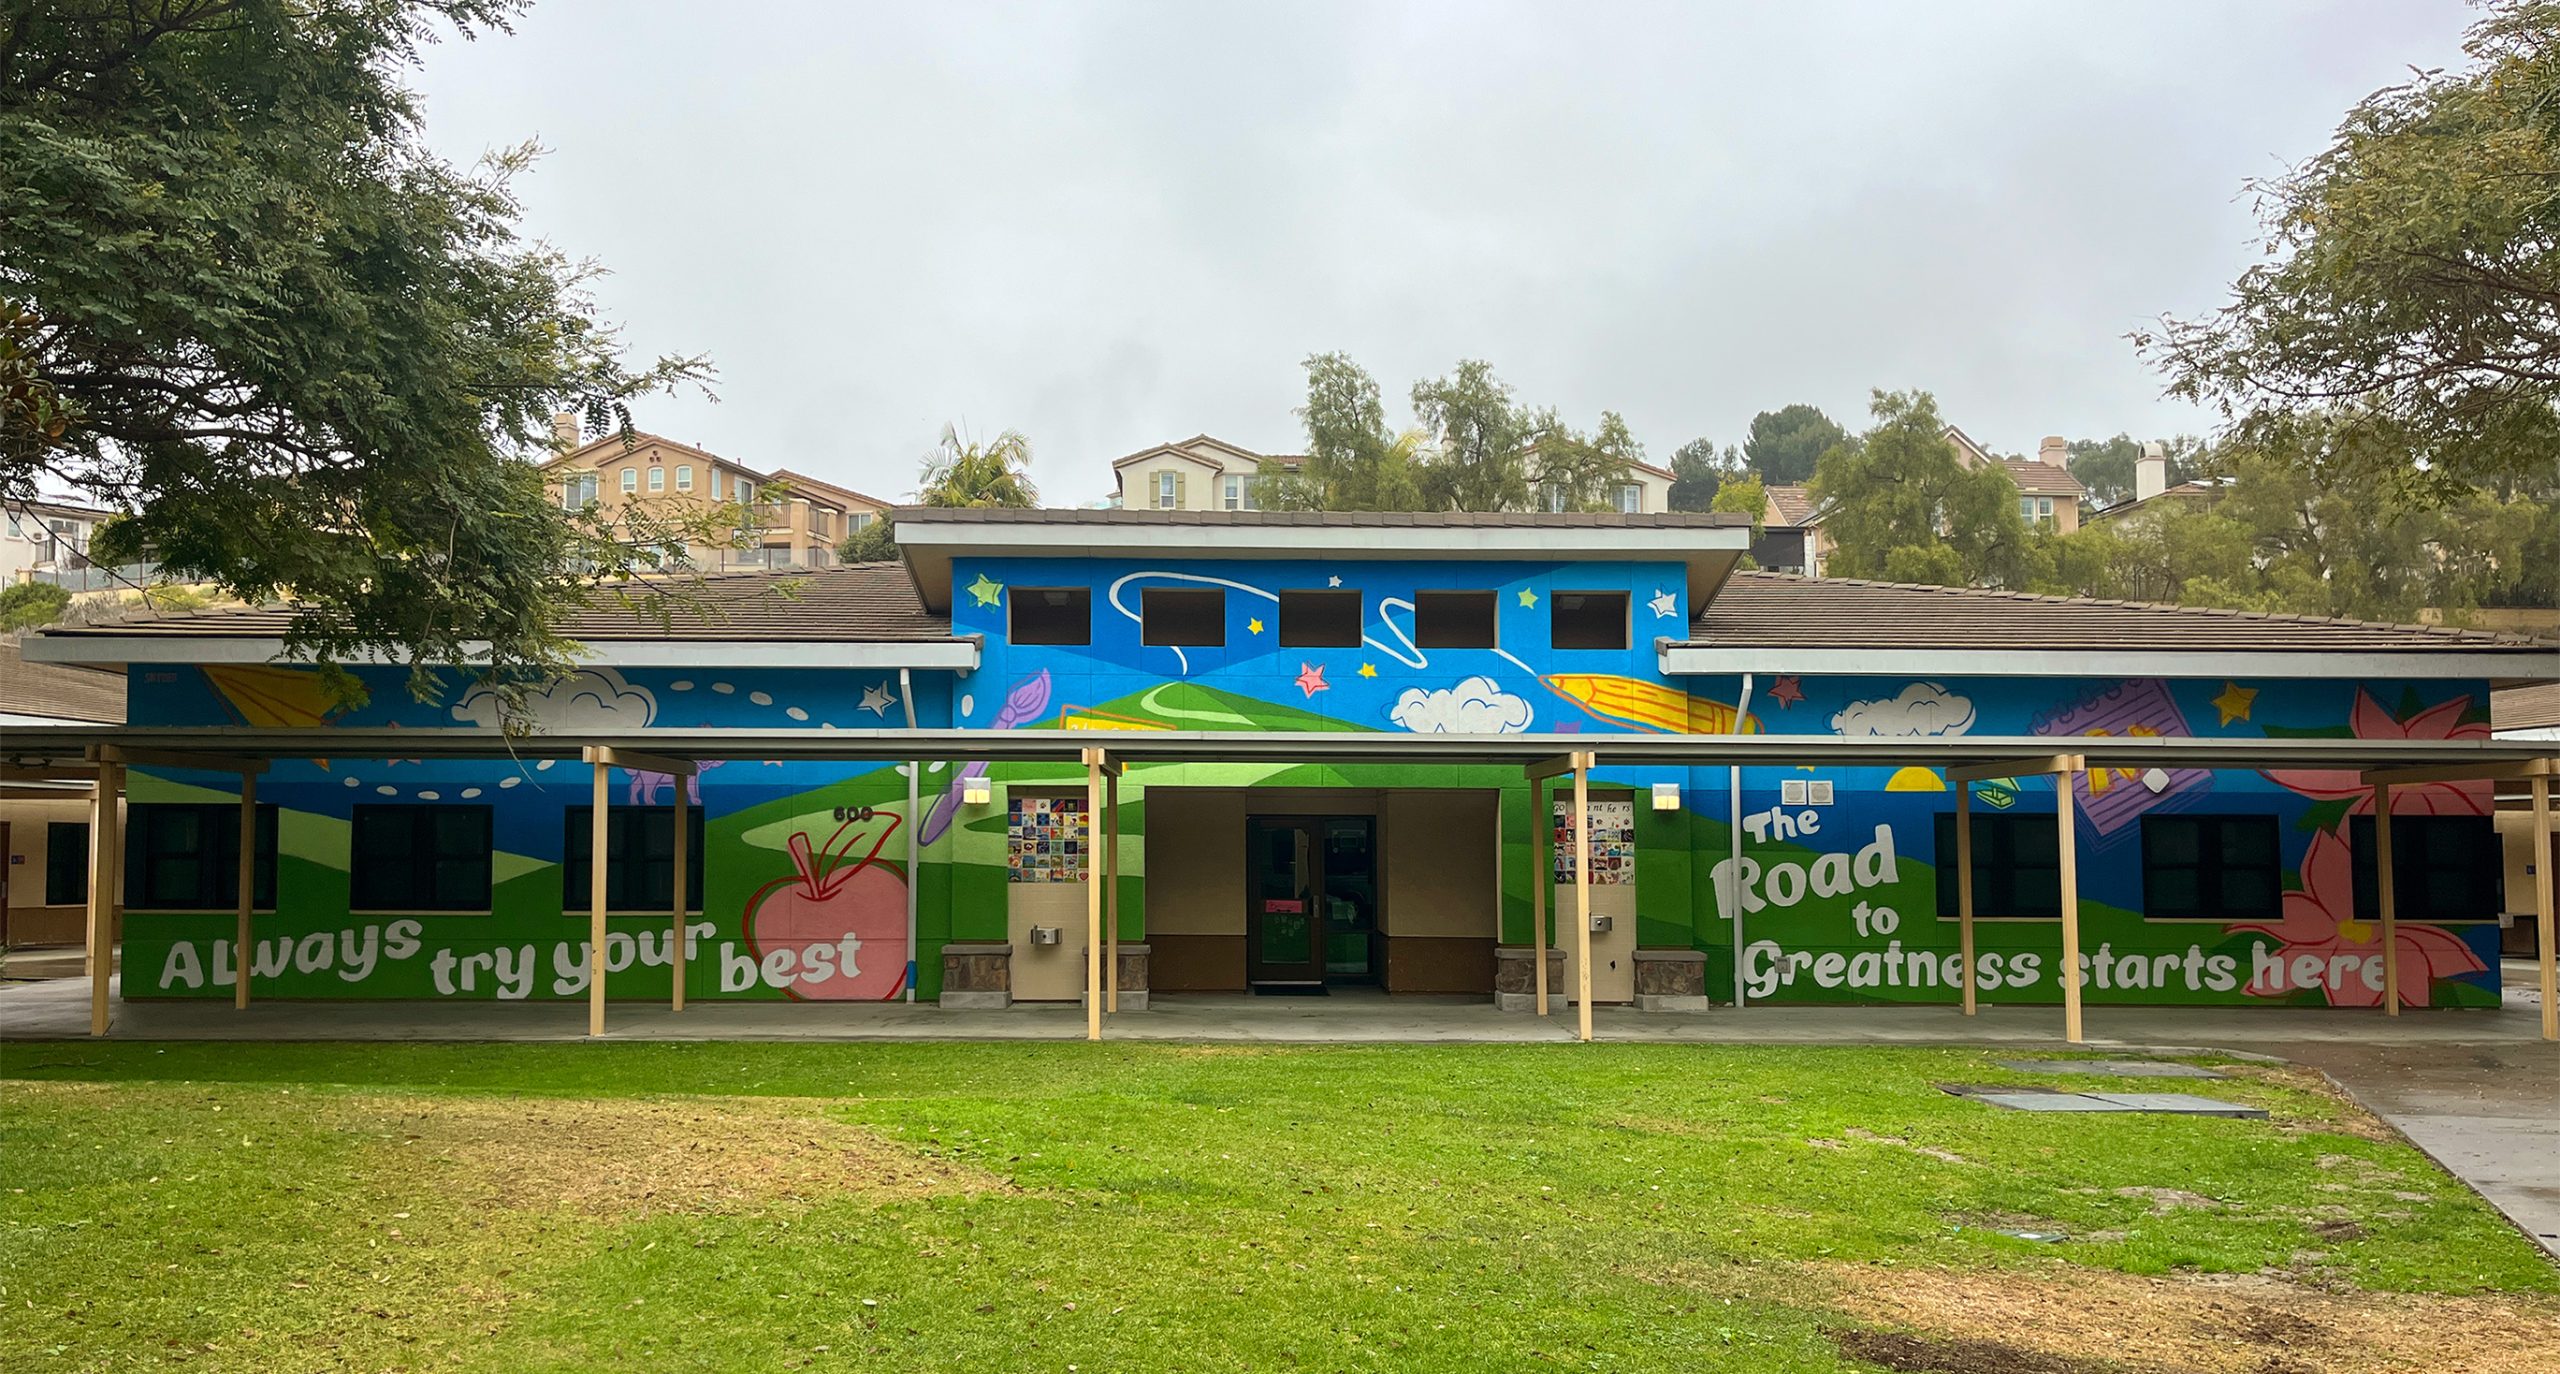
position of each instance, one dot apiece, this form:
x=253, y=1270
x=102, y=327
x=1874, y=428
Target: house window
x=1631, y=499
x=185, y=856
x=1553, y=500
x=1050, y=615
x=639, y=858
x=858, y=521
x=684, y=476
x=1319, y=619
x=1168, y=490
x=743, y=491
x=420, y=858
x=657, y=479
x=715, y=484
x=2211, y=868
x=1453, y=620
x=821, y=522
x=1183, y=616
x=2017, y=867
x=820, y=555
x=579, y=492
x=66, y=863
x=2026, y=508
x=630, y=480
x=2443, y=868
x=1588, y=620
x=1239, y=493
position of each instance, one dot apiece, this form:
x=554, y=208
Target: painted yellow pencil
x=1648, y=705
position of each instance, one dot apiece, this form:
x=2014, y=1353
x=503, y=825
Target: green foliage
x=26, y=605
x=1572, y=471
x=2410, y=275
x=1784, y=445
x=241, y=297
x=1744, y=495
x=964, y=473
x=1697, y=470
x=2106, y=466
x=1900, y=504
x=1353, y=462
x=1480, y=441
x=876, y=542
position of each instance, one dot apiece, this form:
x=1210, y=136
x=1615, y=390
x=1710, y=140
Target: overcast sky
x=1108, y=225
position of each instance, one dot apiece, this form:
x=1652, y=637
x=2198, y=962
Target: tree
x=1746, y=495
x=2106, y=466
x=1572, y=471
x=1696, y=471
x=1480, y=437
x=1784, y=445
x=25, y=605
x=876, y=542
x=2412, y=273
x=1352, y=462
x=241, y=298
x=964, y=473
x=1899, y=503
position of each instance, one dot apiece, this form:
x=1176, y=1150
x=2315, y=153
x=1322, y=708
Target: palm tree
x=960, y=472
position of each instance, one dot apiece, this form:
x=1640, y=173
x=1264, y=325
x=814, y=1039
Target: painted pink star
x=1311, y=679
x=1786, y=691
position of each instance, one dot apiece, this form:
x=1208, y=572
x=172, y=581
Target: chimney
x=564, y=429
x=2151, y=472
x=2054, y=451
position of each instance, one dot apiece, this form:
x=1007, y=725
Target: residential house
x=2152, y=492
x=44, y=826
x=48, y=540
x=2049, y=497
x=1790, y=532
x=1198, y=473
x=785, y=519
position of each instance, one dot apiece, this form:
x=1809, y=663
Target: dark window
x=2211, y=868
x=638, y=875
x=2446, y=868
x=185, y=856
x=1453, y=620
x=1183, y=616
x=1588, y=620
x=1051, y=615
x=1319, y=620
x=2017, y=866
x=420, y=858
x=66, y=863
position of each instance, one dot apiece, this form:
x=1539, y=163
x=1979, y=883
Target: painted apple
x=840, y=927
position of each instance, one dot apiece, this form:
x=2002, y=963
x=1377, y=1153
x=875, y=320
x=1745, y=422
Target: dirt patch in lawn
x=2076, y=1320
x=607, y=1156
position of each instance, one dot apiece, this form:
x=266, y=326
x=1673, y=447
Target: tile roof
x=852, y=604
x=1782, y=610
x=823, y=487
x=58, y=690
x=2043, y=479
x=2525, y=708
x=1793, y=503
x=1351, y=519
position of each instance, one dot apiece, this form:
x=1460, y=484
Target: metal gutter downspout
x=915, y=827
x=1734, y=891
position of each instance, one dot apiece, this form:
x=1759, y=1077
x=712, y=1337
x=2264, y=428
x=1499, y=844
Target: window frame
x=1013, y=622
x=684, y=476
x=1168, y=489
x=1492, y=605
x=2419, y=874
x=1997, y=871
x=1302, y=634
x=423, y=817
x=577, y=836
x=218, y=871
x=1170, y=599
x=1626, y=620
x=76, y=873
x=657, y=478
x=630, y=481
x=1630, y=498
x=2211, y=866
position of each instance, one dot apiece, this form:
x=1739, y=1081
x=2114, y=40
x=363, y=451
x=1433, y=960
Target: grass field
x=1003, y=1207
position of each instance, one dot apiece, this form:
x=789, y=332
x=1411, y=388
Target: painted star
x=2234, y=701
x=1333, y=581
x=1368, y=670
x=1528, y=598
x=877, y=700
x=986, y=590
x=1255, y=625
x=1664, y=604
x=1786, y=691
x=1310, y=679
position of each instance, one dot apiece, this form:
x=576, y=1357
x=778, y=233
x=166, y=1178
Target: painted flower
x=2371, y=721
x=2320, y=921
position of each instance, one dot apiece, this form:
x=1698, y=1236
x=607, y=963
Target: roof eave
x=1706, y=658
x=958, y=653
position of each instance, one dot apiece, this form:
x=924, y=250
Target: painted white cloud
x=1477, y=706
x=1923, y=708
x=588, y=699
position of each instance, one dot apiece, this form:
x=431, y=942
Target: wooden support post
x=2384, y=874
x=1964, y=889
x=684, y=882
x=240, y=958
x=1111, y=892
x=106, y=865
x=1092, y=897
x=1583, y=894
x=2542, y=913
x=597, y=833
x=2067, y=852
x=1542, y=822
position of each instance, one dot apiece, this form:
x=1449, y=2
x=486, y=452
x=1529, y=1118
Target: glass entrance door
x=1311, y=901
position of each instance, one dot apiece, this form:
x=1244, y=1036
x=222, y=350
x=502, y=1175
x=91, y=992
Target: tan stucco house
x=784, y=519
x=1205, y=473
x=2049, y=497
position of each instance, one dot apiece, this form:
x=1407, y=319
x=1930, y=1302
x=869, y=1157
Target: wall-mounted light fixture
x=1666, y=796
x=977, y=791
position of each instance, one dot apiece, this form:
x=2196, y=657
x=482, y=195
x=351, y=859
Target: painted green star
x=1528, y=598
x=986, y=590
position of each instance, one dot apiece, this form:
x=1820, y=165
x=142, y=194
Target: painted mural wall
x=806, y=872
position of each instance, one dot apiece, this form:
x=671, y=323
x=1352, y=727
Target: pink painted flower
x=2319, y=922
x=2371, y=721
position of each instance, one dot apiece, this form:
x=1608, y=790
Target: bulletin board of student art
x=1613, y=842
x=1045, y=840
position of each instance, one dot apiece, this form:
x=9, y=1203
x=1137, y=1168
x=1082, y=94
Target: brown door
x=1284, y=906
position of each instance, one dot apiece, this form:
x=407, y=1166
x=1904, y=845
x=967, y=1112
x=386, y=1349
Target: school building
x=1552, y=760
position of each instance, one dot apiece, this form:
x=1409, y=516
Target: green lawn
x=999, y=1207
